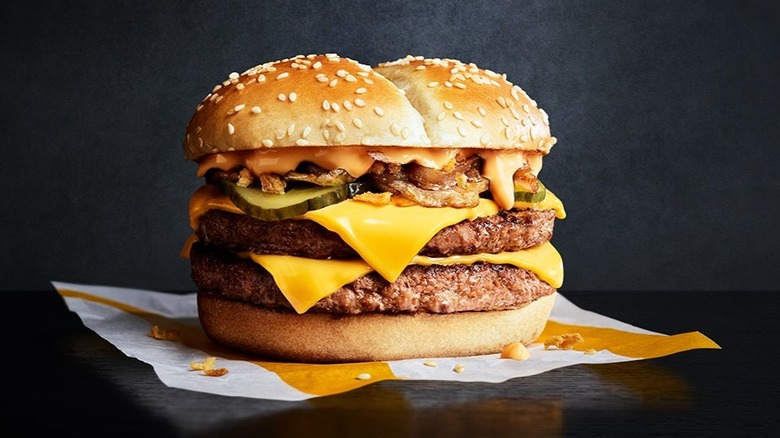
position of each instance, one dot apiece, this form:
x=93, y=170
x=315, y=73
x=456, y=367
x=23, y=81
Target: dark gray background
x=666, y=114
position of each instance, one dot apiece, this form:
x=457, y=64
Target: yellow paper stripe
x=634, y=345
x=329, y=379
x=316, y=379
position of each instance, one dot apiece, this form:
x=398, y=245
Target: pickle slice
x=521, y=195
x=294, y=202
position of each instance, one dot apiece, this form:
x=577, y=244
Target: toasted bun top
x=328, y=100
x=314, y=100
x=466, y=106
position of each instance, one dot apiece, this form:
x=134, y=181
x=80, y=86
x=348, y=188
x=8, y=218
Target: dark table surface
x=61, y=377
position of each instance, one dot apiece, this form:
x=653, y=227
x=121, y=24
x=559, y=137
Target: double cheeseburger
x=351, y=213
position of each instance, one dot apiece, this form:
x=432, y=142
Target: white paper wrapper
x=125, y=317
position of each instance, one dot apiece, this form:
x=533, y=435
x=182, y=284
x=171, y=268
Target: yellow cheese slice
x=305, y=281
x=387, y=237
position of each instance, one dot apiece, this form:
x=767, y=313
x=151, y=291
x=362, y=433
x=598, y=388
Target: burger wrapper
x=162, y=330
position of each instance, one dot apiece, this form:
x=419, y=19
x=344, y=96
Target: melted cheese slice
x=387, y=237
x=306, y=281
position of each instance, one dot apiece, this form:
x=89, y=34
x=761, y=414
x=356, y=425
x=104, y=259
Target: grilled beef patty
x=506, y=231
x=429, y=289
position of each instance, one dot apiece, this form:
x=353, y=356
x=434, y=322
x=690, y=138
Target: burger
x=355, y=213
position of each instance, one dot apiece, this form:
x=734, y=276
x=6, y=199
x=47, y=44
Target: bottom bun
x=324, y=338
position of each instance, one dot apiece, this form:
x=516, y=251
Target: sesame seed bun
x=466, y=106
x=328, y=100
x=318, y=337
x=315, y=100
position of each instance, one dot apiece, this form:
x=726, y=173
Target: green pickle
x=294, y=202
x=524, y=196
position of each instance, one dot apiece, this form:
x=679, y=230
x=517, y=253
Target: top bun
x=328, y=100
x=313, y=100
x=466, y=106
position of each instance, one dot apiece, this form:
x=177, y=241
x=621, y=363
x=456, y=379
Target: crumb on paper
x=207, y=366
x=383, y=198
x=363, y=376
x=459, y=368
x=565, y=341
x=430, y=363
x=167, y=335
x=590, y=351
x=515, y=351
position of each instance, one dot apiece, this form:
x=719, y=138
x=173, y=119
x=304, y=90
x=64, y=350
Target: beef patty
x=429, y=289
x=511, y=230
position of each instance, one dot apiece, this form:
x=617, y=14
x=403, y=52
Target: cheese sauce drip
x=499, y=165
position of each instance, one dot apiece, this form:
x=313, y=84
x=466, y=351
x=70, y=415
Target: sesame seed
x=216, y=88
x=448, y=84
x=301, y=142
x=282, y=75
x=233, y=75
x=326, y=105
x=524, y=138
x=501, y=101
x=348, y=105
x=282, y=97
x=231, y=129
x=433, y=84
x=317, y=65
x=515, y=113
x=341, y=73
x=199, y=107
x=482, y=111
x=441, y=116
x=363, y=376
x=240, y=87
x=321, y=77
x=326, y=134
x=458, y=368
x=291, y=129
x=340, y=137
x=485, y=139
x=460, y=85
x=477, y=123
x=394, y=129
x=359, y=102
x=335, y=107
x=362, y=73
x=405, y=133
x=368, y=81
x=527, y=109
x=333, y=82
x=360, y=90
x=350, y=78
x=379, y=111
x=457, y=115
x=238, y=108
x=306, y=132
x=256, y=110
x=260, y=79
x=200, y=142
x=357, y=122
x=430, y=363
x=268, y=143
x=340, y=126
x=420, y=67
x=293, y=96
x=461, y=131
x=448, y=105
